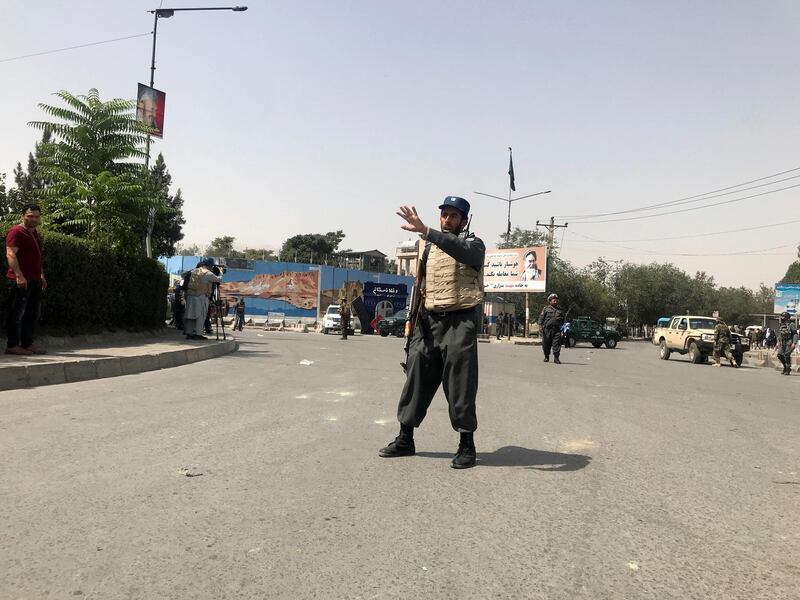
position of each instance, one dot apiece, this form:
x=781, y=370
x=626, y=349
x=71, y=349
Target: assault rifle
x=415, y=304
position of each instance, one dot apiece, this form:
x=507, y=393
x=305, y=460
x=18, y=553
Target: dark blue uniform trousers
x=443, y=350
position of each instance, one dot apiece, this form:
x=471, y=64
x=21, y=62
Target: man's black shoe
x=557, y=361
x=464, y=458
x=546, y=359
x=399, y=447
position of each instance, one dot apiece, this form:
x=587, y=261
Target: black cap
x=457, y=203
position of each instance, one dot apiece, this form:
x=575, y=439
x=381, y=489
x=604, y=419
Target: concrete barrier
x=23, y=375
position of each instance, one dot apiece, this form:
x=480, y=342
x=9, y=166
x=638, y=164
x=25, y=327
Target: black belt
x=444, y=313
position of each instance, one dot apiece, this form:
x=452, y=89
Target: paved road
x=614, y=475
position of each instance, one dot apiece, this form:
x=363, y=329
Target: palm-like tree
x=96, y=189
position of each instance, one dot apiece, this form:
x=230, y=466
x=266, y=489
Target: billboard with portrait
x=515, y=270
x=150, y=108
x=787, y=297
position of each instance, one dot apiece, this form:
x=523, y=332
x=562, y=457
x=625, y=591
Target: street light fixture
x=166, y=13
x=510, y=200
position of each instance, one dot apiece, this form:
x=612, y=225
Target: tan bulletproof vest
x=449, y=284
x=198, y=285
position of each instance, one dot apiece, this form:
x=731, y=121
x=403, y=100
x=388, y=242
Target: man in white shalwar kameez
x=201, y=283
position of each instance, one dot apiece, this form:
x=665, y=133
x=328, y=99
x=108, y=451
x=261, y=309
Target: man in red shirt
x=26, y=282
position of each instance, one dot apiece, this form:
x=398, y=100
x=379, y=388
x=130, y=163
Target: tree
x=604, y=271
x=654, y=290
x=335, y=238
x=193, y=250
x=3, y=194
x=792, y=273
x=765, y=299
x=96, y=191
x=260, y=254
x=169, y=221
x=223, y=246
x=523, y=238
x=310, y=246
x=28, y=183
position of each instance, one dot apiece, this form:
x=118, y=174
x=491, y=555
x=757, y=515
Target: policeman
x=550, y=321
x=722, y=343
x=344, y=313
x=787, y=339
x=444, y=343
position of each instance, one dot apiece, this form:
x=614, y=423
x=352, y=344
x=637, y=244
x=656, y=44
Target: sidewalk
x=110, y=355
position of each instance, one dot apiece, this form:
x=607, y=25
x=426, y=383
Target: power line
x=129, y=37
x=677, y=203
x=686, y=237
x=672, y=212
x=755, y=252
x=688, y=199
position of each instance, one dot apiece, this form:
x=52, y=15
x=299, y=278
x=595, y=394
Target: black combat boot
x=556, y=360
x=403, y=444
x=465, y=455
x=546, y=359
x=783, y=362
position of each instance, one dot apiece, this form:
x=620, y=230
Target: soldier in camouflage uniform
x=722, y=343
x=344, y=313
x=550, y=321
x=787, y=338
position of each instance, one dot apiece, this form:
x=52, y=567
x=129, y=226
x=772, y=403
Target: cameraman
x=199, y=289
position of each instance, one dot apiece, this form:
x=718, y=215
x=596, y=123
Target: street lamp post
x=165, y=13
x=510, y=200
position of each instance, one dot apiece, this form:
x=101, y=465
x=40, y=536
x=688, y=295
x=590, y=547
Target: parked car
x=584, y=329
x=394, y=325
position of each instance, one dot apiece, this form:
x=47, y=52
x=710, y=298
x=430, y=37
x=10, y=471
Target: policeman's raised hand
x=413, y=222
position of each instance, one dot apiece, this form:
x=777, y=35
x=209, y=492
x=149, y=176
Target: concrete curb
x=70, y=371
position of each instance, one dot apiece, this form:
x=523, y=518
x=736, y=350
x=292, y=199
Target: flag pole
x=510, y=188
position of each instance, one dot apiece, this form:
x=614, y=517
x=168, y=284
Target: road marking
x=302, y=397
x=578, y=445
x=383, y=421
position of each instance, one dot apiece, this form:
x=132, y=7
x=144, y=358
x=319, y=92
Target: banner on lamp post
x=150, y=108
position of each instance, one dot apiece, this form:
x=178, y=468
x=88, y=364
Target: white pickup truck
x=694, y=335
x=332, y=321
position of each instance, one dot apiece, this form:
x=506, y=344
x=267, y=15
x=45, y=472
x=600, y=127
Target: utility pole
x=551, y=228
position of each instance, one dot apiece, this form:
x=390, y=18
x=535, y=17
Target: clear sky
x=310, y=116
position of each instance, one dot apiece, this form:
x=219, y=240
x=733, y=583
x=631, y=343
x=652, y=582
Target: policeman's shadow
x=516, y=456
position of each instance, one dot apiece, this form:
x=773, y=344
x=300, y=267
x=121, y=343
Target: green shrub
x=92, y=289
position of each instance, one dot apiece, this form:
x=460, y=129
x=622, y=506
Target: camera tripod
x=219, y=316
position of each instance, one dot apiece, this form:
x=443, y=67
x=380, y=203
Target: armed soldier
x=787, y=339
x=344, y=313
x=722, y=343
x=550, y=321
x=443, y=348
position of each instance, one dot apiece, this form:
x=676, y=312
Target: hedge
x=92, y=289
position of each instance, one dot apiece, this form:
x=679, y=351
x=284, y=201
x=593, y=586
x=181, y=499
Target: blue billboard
x=787, y=297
